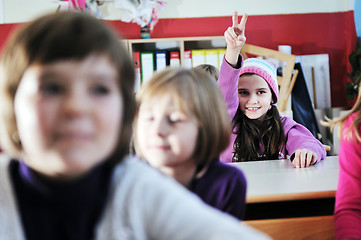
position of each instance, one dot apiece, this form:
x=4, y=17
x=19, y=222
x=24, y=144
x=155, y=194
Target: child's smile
x=252, y=109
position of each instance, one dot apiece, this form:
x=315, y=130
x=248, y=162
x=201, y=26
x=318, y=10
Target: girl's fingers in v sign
x=239, y=29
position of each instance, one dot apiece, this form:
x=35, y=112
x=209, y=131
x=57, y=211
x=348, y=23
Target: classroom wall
x=310, y=27
x=203, y=8
x=16, y=11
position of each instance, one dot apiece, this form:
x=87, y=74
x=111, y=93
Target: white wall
x=358, y=17
x=25, y=10
x=203, y=8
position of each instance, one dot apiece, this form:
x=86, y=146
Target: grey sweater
x=143, y=204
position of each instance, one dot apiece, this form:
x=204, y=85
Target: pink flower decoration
x=76, y=4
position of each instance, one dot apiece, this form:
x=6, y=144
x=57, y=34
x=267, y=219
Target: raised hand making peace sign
x=235, y=38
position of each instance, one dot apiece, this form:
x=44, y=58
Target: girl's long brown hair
x=250, y=133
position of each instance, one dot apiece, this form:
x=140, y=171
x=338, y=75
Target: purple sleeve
x=235, y=197
x=224, y=187
x=298, y=137
x=228, y=83
x=348, y=195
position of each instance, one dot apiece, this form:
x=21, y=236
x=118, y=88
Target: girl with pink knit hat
x=250, y=90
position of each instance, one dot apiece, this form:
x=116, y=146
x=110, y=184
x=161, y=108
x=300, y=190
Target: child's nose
x=75, y=103
x=253, y=98
x=160, y=127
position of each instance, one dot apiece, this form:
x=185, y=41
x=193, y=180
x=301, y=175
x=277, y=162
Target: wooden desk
x=279, y=180
x=276, y=189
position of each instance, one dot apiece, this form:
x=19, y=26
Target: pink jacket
x=297, y=136
x=348, y=194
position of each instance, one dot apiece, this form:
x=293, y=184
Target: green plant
x=351, y=87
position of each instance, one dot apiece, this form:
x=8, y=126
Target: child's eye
x=51, y=88
x=100, y=90
x=261, y=92
x=175, y=118
x=242, y=92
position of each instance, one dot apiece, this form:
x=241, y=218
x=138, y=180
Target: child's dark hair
x=57, y=37
x=250, y=133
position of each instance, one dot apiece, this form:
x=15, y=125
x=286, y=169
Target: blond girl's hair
x=353, y=130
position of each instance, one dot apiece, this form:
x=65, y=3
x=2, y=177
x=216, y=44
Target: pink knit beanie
x=263, y=68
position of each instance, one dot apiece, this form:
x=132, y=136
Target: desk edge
x=290, y=197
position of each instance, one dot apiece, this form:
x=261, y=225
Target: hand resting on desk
x=303, y=158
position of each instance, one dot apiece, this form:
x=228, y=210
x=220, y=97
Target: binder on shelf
x=221, y=52
x=198, y=57
x=211, y=56
x=174, y=59
x=188, y=59
x=136, y=61
x=160, y=60
x=146, y=65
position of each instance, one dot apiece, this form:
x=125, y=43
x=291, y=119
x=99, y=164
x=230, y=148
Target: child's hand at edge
x=235, y=38
x=304, y=158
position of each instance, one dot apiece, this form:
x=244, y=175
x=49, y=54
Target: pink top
x=348, y=195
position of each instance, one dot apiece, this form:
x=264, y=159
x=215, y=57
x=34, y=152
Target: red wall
x=5, y=30
x=314, y=33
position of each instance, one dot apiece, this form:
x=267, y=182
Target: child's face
x=166, y=136
x=254, y=96
x=68, y=115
